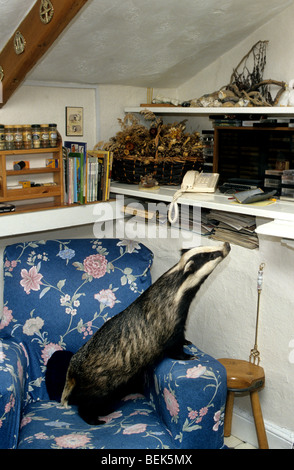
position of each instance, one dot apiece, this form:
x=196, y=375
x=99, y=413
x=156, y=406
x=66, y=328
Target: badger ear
x=184, y=250
x=189, y=266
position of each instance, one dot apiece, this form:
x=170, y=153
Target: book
x=79, y=148
x=76, y=165
x=98, y=174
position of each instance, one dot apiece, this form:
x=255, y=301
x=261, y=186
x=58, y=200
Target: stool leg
x=229, y=414
x=258, y=419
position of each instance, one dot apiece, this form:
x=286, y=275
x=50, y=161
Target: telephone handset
x=193, y=182
x=189, y=180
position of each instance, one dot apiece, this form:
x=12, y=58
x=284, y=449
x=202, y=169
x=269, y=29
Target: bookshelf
x=246, y=152
x=48, y=181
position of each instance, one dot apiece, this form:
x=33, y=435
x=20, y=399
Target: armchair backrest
x=57, y=293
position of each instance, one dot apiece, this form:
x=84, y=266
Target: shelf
x=32, y=207
x=31, y=171
x=273, y=111
x=283, y=211
x=36, y=157
x=32, y=193
x=254, y=128
x=30, y=151
x=41, y=217
x=277, y=228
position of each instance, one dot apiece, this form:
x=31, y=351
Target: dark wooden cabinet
x=246, y=152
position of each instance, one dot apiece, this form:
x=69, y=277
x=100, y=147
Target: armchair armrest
x=13, y=371
x=190, y=398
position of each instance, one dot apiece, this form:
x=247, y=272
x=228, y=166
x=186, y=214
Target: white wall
x=33, y=104
x=279, y=66
x=112, y=101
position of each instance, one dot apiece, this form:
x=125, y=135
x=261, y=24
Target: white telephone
x=193, y=182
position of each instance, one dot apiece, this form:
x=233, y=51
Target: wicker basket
x=165, y=151
x=167, y=172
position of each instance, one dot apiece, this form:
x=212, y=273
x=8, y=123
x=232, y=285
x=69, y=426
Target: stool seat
x=243, y=375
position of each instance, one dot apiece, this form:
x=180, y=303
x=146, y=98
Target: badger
x=113, y=361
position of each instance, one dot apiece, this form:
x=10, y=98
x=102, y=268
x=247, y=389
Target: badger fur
x=107, y=367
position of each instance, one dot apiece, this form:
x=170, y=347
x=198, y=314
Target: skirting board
x=278, y=438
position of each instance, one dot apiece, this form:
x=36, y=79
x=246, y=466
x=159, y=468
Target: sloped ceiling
x=148, y=43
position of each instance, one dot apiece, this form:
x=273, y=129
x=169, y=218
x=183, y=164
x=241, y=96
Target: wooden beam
x=39, y=36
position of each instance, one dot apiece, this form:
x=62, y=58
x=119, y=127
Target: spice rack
x=49, y=193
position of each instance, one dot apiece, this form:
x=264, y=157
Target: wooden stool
x=242, y=377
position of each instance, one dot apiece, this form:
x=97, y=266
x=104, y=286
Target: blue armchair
x=57, y=293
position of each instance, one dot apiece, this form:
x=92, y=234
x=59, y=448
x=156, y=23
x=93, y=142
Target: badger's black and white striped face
x=197, y=263
x=194, y=259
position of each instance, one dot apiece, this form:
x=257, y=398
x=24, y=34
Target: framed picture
x=74, y=121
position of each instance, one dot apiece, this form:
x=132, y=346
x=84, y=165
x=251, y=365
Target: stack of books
x=98, y=175
x=87, y=173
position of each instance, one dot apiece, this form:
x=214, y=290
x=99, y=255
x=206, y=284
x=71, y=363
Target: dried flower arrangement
x=166, y=151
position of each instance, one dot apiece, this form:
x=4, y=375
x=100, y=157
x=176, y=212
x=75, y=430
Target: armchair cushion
x=13, y=372
x=57, y=293
x=133, y=425
x=190, y=398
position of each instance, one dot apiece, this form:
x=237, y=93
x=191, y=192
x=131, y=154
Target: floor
x=235, y=443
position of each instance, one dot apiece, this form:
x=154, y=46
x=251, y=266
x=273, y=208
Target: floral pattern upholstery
x=57, y=293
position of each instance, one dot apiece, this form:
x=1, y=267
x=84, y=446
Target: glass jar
x=9, y=142
x=36, y=136
x=17, y=137
x=2, y=137
x=27, y=136
x=44, y=135
x=53, y=135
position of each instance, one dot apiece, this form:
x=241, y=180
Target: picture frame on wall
x=74, y=121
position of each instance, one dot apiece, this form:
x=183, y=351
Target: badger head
x=195, y=266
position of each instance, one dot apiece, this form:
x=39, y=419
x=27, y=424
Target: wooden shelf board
x=30, y=151
x=32, y=171
x=32, y=193
x=32, y=208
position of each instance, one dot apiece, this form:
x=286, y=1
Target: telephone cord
x=174, y=207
